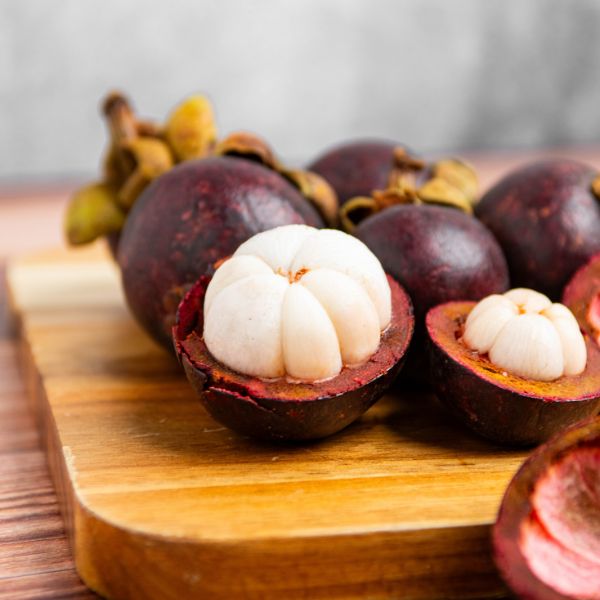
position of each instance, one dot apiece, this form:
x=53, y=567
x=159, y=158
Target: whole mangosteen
x=191, y=217
x=515, y=367
x=546, y=538
x=546, y=216
x=295, y=336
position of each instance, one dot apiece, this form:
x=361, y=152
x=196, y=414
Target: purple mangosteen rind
x=190, y=218
x=516, y=508
x=546, y=217
x=502, y=407
x=282, y=410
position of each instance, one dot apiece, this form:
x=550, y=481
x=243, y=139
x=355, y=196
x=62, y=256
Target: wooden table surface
x=35, y=560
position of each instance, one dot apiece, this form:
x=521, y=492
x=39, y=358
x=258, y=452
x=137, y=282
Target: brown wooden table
x=35, y=560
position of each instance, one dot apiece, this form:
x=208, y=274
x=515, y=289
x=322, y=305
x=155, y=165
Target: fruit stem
x=121, y=120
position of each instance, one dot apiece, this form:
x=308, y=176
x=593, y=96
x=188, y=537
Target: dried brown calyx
x=447, y=182
x=312, y=186
x=138, y=152
x=596, y=187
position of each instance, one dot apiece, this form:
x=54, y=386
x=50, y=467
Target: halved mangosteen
x=547, y=535
x=295, y=336
x=514, y=368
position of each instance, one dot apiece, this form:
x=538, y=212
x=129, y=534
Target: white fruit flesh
x=527, y=335
x=310, y=346
x=299, y=302
x=351, y=311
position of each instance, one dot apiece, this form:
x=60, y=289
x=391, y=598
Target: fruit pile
x=293, y=298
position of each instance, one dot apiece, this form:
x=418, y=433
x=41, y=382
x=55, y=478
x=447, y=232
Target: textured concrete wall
x=435, y=74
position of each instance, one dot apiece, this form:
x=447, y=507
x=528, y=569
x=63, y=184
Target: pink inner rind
x=516, y=509
x=558, y=566
x=567, y=501
x=561, y=538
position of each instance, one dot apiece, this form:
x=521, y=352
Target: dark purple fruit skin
x=356, y=168
x=547, y=221
x=437, y=254
x=188, y=219
x=516, y=507
x=504, y=415
x=284, y=411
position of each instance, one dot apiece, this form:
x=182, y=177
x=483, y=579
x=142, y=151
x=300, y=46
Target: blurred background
x=437, y=75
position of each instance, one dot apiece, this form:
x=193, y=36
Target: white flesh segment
x=529, y=346
x=492, y=301
x=243, y=331
x=235, y=268
x=335, y=250
x=351, y=311
x=560, y=311
x=310, y=346
x=572, y=342
x=481, y=333
x=528, y=300
x=278, y=246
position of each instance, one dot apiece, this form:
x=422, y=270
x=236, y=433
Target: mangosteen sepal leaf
x=92, y=213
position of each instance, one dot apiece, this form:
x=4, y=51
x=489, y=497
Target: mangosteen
x=547, y=535
x=546, y=217
x=189, y=219
x=515, y=367
x=294, y=336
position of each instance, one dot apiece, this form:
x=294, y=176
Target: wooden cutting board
x=162, y=502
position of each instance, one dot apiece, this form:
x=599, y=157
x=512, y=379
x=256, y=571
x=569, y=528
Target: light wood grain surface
x=34, y=556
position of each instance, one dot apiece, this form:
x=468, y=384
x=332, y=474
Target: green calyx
x=138, y=152
x=93, y=212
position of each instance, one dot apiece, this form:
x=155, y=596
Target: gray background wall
x=436, y=74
